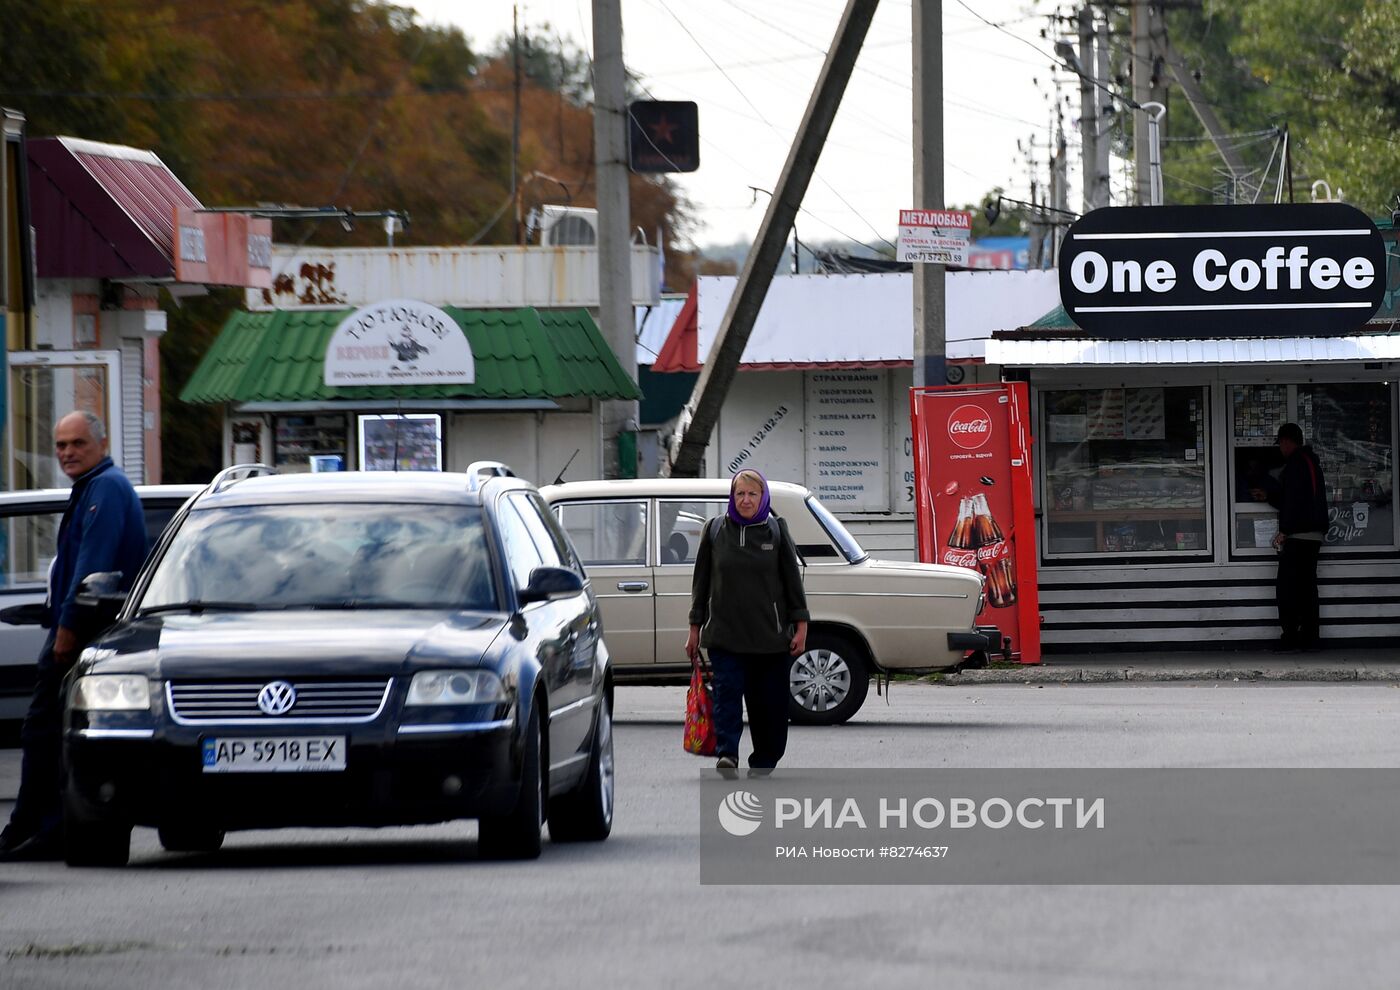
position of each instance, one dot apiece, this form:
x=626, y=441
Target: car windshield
x=841, y=536
x=342, y=555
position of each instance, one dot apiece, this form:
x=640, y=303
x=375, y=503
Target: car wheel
x=586, y=814
x=829, y=682
x=185, y=837
x=518, y=834
x=94, y=843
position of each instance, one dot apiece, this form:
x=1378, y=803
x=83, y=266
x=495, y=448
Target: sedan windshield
x=342, y=555
x=840, y=535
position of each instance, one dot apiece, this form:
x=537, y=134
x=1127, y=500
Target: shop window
x=407, y=442
x=1125, y=471
x=1349, y=426
x=304, y=443
x=46, y=386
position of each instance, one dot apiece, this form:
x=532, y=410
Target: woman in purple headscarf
x=747, y=607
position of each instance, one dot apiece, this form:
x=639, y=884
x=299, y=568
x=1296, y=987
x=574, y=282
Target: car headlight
x=455, y=687
x=112, y=693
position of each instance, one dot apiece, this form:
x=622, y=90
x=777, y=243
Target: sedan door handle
x=632, y=586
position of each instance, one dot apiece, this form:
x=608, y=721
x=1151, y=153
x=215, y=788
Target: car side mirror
x=548, y=584
x=32, y=614
x=99, y=596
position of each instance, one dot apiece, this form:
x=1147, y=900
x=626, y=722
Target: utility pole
x=1037, y=228
x=1088, y=109
x=1288, y=162
x=1148, y=52
x=615, y=317
x=1059, y=187
x=930, y=309
x=762, y=261
x=515, y=126
x=1206, y=114
x=1103, y=120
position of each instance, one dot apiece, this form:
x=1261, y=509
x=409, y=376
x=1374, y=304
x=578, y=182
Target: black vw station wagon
x=345, y=649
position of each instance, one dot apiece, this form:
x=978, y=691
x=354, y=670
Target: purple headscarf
x=733, y=510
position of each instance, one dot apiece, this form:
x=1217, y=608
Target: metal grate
x=316, y=701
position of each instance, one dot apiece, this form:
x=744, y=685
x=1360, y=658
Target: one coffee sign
x=937, y=236
x=1310, y=269
x=399, y=342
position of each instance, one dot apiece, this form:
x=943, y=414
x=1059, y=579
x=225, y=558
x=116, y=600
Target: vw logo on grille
x=277, y=698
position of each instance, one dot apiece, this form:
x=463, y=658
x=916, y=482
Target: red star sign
x=663, y=131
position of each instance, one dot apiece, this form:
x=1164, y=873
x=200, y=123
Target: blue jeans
x=759, y=680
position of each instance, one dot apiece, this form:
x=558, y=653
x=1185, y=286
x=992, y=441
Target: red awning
x=679, y=353
x=103, y=210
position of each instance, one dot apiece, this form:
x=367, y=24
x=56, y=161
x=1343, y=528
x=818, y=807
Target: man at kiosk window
x=1300, y=495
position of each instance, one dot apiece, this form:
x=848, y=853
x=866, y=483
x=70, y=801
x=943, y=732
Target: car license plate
x=274, y=754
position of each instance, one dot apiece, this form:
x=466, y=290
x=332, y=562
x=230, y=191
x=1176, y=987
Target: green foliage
x=550, y=62
x=191, y=434
x=1330, y=72
x=351, y=103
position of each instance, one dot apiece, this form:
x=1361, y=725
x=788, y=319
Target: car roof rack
x=237, y=473
x=476, y=470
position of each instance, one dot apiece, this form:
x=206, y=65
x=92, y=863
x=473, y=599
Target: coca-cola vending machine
x=973, y=498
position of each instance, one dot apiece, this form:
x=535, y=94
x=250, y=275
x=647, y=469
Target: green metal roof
x=523, y=353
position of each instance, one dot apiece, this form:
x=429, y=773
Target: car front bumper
x=392, y=776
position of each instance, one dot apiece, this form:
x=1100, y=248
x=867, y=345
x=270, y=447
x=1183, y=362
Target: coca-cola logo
x=993, y=552
x=960, y=558
x=970, y=427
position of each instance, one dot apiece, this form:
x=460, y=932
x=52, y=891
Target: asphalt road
x=413, y=907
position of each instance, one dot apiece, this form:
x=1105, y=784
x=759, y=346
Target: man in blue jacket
x=103, y=529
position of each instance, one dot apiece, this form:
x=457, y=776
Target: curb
x=1102, y=675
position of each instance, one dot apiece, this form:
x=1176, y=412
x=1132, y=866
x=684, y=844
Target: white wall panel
x=761, y=427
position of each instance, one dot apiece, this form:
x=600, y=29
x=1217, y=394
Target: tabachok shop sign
x=1288, y=270
x=399, y=342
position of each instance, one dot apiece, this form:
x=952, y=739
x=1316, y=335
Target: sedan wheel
x=587, y=814
x=829, y=682
x=517, y=835
x=93, y=843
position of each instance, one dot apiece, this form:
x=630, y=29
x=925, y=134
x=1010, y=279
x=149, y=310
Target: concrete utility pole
x=1148, y=87
x=1103, y=120
x=767, y=251
x=1095, y=142
x=615, y=317
x=1206, y=114
x=930, y=309
x=1059, y=192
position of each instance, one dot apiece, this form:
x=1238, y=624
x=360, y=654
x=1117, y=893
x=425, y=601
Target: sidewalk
x=1342, y=664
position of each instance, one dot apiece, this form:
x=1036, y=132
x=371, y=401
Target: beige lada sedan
x=638, y=539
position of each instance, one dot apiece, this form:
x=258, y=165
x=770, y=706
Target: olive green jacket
x=746, y=592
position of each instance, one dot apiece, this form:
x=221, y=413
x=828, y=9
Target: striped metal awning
x=1274, y=350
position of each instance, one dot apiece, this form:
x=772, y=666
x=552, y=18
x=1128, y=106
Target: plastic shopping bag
x=699, y=714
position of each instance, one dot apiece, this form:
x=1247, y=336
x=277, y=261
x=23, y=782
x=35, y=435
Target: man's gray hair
x=96, y=429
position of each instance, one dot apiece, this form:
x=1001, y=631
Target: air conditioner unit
x=566, y=225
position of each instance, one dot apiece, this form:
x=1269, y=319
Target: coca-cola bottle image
x=984, y=525
x=994, y=557
x=962, y=545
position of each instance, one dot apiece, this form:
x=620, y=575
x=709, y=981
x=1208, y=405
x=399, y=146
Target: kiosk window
x=1125, y=471
x=1349, y=426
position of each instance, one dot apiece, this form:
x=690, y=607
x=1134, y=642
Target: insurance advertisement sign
x=1307, y=269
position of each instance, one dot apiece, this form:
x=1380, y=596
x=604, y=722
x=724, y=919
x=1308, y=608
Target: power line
x=746, y=99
